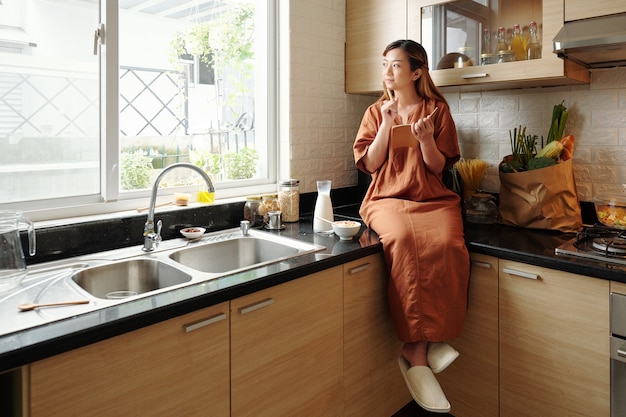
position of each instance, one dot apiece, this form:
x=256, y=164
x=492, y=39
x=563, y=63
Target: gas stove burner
x=599, y=230
x=597, y=243
x=610, y=245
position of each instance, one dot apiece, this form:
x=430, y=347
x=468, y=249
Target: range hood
x=598, y=42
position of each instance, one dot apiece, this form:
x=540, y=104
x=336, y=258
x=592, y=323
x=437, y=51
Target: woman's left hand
x=423, y=129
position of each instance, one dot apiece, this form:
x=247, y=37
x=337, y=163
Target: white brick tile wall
x=597, y=118
x=324, y=120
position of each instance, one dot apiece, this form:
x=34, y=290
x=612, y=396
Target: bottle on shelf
x=501, y=40
x=517, y=44
x=486, y=52
x=533, y=50
x=486, y=42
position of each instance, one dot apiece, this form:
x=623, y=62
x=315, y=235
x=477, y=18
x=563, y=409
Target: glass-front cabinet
x=472, y=44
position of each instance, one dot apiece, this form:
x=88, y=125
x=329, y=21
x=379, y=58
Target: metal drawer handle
x=486, y=265
x=204, y=322
x=520, y=273
x=359, y=268
x=256, y=306
x=621, y=352
x=479, y=75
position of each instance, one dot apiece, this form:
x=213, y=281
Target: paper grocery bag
x=544, y=198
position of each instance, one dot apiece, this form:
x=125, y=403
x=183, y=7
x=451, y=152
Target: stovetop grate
x=597, y=242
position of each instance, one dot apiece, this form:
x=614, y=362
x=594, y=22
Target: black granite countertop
x=528, y=246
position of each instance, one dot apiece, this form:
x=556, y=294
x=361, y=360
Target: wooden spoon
x=29, y=307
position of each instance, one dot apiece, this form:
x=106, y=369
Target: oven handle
x=618, y=349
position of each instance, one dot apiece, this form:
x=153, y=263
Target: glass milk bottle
x=323, y=208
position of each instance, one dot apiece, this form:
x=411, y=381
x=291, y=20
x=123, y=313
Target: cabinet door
x=618, y=287
x=582, y=9
x=554, y=343
x=373, y=384
x=371, y=25
x=549, y=70
x=286, y=349
x=471, y=382
x=176, y=368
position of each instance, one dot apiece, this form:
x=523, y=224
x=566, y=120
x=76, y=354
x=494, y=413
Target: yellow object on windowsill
x=206, y=197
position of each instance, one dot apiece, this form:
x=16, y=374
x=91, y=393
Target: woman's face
x=397, y=73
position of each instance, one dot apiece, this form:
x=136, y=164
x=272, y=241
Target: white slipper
x=424, y=387
x=440, y=355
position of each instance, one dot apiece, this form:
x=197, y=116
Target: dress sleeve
x=446, y=136
x=366, y=134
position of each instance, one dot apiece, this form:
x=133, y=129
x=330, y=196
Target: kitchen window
x=97, y=96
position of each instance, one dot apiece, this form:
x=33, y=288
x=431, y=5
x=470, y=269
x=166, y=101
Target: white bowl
x=346, y=229
x=193, y=232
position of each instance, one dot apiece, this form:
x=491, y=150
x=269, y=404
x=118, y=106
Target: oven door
x=618, y=377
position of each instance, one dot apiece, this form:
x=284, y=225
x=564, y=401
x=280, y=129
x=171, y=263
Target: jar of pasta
x=289, y=199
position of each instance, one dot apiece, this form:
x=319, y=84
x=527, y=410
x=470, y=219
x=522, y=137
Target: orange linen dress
x=419, y=222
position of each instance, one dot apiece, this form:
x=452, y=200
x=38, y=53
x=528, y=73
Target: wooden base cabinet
x=471, y=382
x=286, y=357
x=373, y=384
x=179, y=367
x=14, y=392
x=554, y=343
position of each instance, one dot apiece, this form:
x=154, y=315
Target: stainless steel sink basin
x=128, y=278
x=234, y=254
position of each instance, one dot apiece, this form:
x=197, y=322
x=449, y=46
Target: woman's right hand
x=389, y=109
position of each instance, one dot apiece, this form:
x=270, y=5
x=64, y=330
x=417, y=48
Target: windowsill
x=127, y=208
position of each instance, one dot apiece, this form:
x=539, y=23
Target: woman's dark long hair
x=418, y=59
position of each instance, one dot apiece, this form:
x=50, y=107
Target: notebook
x=401, y=137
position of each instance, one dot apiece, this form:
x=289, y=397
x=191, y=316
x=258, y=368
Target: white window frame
x=111, y=200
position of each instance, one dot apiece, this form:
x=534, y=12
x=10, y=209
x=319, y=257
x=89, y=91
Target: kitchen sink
x=213, y=256
x=128, y=278
x=234, y=254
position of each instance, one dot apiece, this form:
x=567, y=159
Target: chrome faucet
x=151, y=238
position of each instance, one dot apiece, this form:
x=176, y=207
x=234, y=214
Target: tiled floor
x=414, y=410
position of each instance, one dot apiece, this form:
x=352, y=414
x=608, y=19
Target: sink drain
x=118, y=295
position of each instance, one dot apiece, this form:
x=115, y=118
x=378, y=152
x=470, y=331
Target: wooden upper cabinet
x=583, y=9
x=370, y=26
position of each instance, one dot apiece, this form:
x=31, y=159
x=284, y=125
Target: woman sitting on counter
x=405, y=141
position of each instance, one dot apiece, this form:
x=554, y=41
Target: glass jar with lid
x=269, y=202
x=486, y=59
x=506, y=55
x=251, y=211
x=481, y=209
x=289, y=199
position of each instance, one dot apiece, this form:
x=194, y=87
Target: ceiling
x=200, y=10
